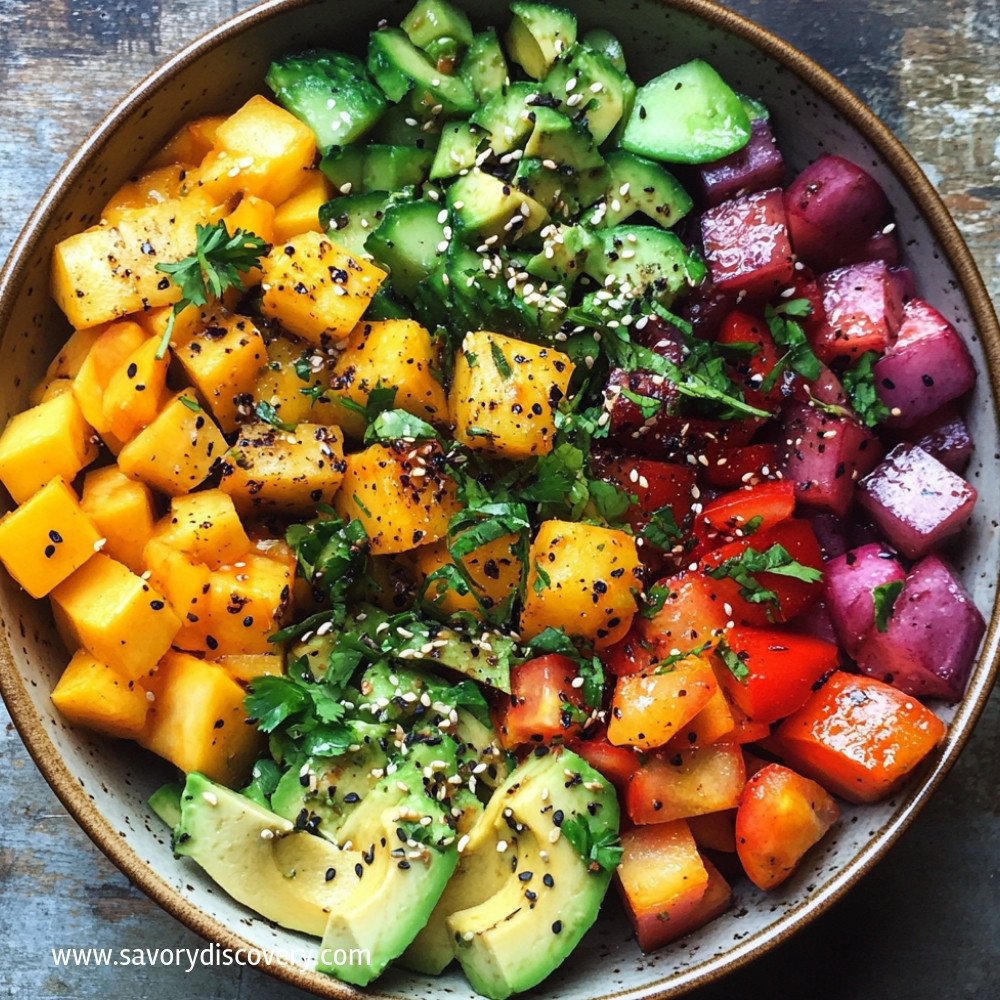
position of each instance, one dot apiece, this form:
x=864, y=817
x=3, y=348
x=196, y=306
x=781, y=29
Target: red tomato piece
x=747, y=466
x=617, y=764
x=793, y=595
x=780, y=816
x=687, y=783
x=543, y=703
x=783, y=669
x=715, y=831
x=711, y=724
x=662, y=879
x=859, y=737
x=648, y=709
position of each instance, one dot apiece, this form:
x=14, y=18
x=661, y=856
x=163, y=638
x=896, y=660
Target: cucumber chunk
x=407, y=242
x=687, y=115
x=331, y=92
x=484, y=68
x=589, y=87
x=639, y=185
x=344, y=168
x=399, y=67
x=756, y=110
x=538, y=34
x=457, y=151
x=435, y=21
x=508, y=116
x=399, y=126
x=350, y=220
x=389, y=168
x=608, y=45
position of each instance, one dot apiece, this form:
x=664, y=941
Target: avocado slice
x=260, y=859
x=166, y=802
x=639, y=185
x=484, y=68
x=537, y=35
x=526, y=894
x=484, y=205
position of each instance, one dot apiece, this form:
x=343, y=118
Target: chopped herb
x=733, y=663
x=610, y=502
x=192, y=404
x=471, y=359
x=750, y=561
x=542, y=579
x=662, y=530
x=502, y=365
x=752, y=526
x=380, y=399
x=656, y=597
x=859, y=385
x=664, y=666
x=884, y=598
x=798, y=356
x=215, y=266
x=648, y=405
x=393, y=425
x=599, y=853
x=269, y=415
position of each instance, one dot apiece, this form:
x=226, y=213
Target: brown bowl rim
x=69, y=790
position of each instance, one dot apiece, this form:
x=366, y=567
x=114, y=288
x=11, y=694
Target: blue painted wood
x=927, y=68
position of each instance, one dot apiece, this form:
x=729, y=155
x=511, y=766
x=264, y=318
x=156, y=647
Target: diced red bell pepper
x=654, y=485
x=543, y=703
x=746, y=466
x=783, y=668
x=724, y=519
x=746, y=244
x=751, y=369
x=648, y=709
x=780, y=816
x=863, y=311
x=676, y=785
x=859, y=737
x=617, y=764
x=793, y=595
x=662, y=879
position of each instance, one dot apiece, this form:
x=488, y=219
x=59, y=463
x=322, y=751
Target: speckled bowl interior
x=105, y=784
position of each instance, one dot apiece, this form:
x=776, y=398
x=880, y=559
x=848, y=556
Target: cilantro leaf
x=610, y=501
x=214, y=267
x=662, y=529
x=501, y=363
x=859, y=385
x=542, y=579
x=733, y=663
x=664, y=666
x=884, y=598
x=273, y=700
x=392, y=425
x=655, y=597
x=648, y=406
x=380, y=399
x=798, y=356
x=269, y=415
x=600, y=852
x=750, y=561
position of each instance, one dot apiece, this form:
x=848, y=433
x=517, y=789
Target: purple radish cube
x=906, y=282
x=928, y=366
x=931, y=637
x=757, y=166
x=815, y=621
x=825, y=456
x=864, y=308
x=833, y=207
x=705, y=307
x=829, y=532
x=944, y=435
x=848, y=583
x=915, y=500
x=746, y=244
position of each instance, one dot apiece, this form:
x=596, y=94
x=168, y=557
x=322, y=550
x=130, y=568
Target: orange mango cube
x=122, y=509
x=93, y=695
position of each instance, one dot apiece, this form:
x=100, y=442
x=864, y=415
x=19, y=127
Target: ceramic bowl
x=105, y=787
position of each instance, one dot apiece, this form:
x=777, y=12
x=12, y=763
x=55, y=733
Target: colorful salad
x=487, y=481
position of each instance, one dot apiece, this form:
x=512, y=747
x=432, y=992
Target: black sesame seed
x=331, y=874
x=557, y=927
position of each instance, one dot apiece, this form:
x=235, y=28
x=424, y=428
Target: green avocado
x=523, y=895
x=166, y=802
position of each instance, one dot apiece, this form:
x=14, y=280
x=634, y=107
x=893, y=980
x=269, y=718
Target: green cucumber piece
x=432, y=21
x=687, y=115
x=399, y=126
x=389, y=168
x=484, y=68
x=508, y=116
x=457, y=151
x=350, y=220
x=756, y=110
x=407, y=242
x=344, y=167
x=538, y=34
x=331, y=92
x=608, y=45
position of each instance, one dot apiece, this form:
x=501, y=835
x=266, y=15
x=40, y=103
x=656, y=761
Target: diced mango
x=582, y=578
x=260, y=150
x=504, y=394
x=47, y=538
x=222, y=360
x=300, y=212
x=317, y=289
x=252, y=215
x=197, y=722
x=190, y=144
x=108, y=356
x=115, y=615
x=186, y=323
x=402, y=502
x=136, y=391
x=494, y=568
x=186, y=585
x=56, y=388
x=392, y=352
x=247, y=667
x=206, y=526
x=67, y=362
x=280, y=384
x=92, y=694
x=290, y=471
x=48, y=440
x=249, y=601
x=149, y=188
x=107, y=272
x=122, y=510
x=176, y=452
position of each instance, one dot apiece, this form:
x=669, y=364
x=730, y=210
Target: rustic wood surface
x=929, y=67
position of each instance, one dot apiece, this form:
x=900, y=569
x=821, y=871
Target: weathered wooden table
x=926, y=923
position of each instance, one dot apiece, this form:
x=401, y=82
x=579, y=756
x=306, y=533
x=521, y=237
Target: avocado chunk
x=331, y=92
x=259, y=858
x=589, y=87
x=533, y=893
x=484, y=206
x=608, y=45
x=508, y=116
x=484, y=68
x=166, y=802
x=564, y=253
x=687, y=115
x=457, y=150
x=538, y=34
x=639, y=185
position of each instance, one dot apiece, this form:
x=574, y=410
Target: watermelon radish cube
x=931, y=637
x=746, y=244
x=757, y=166
x=945, y=436
x=915, y=500
x=834, y=207
x=928, y=366
x=863, y=307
